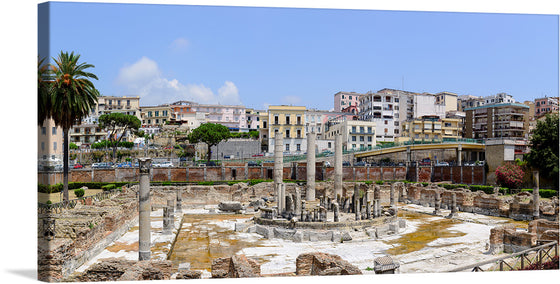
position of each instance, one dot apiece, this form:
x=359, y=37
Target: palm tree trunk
x=65, y=196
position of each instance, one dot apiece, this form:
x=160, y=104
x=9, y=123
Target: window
x=128, y=102
x=353, y=145
x=149, y=121
x=264, y=124
x=353, y=138
x=426, y=136
x=298, y=134
x=42, y=146
x=396, y=131
x=396, y=123
x=157, y=112
x=329, y=145
x=353, y=129
x=369, y=129
x=436, y=136
x=416, y=136
x=298, y=147
x=350, y=97
x=119, y=102
x=54, y=130
x=149, y=114
x=275, y=119
x=369, y=139
x=54, y=146
x=387, y=99
x=386, y=122
x=287, y=133
x=287, y=147
x=362, y=139
x=44, y=130
x=298, y=120
x=157, y=121
x=361, y=129
x=287, y=119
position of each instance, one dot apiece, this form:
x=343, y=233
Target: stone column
x=278, y=169
x=310, y=193
x=368, y=209
x=459, y=155
x=144, y=208
x=536, y=201
x=335, y=211
x=289, y=204
x=437, y=204
x=338, y=165
x=297, y=202
x=357, y=202
x=376, y=208
x=453, y=205
x=179, y=201
x=392, y=195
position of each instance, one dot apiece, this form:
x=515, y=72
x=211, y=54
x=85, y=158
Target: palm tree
x=44, y=77
x=73, y=97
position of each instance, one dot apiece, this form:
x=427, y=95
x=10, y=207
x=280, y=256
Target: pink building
x=545, y=105
x=343, y=100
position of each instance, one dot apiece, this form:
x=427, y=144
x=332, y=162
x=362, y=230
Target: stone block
x=402, y=223
x=189, y=274
x=318, y=263
x=240, y=227
x=298, y=237
x=230, y=206
x=346, y=237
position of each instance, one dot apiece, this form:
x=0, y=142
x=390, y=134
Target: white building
x=356, y=134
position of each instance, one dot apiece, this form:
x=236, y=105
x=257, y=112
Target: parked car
x=442, y=164
x=346, y=164
x=211, y=164
x=326, y=164
x=400, y=164
x=360, y=164
x=252, y=164
x=78, y=166
x=165, y=165
x=425, y=162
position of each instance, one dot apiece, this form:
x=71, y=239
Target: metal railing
x=523, y=259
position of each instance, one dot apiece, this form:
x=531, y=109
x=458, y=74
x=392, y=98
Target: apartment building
x=343, y=100
x=470, y=101
x=50, y=143
x=232, y=116
x=356, y=134
x=497, y=121
x=288, y=120
x=383, y=109
x=155, y=116
x=447, y=99
x=87, y=134
x=545, y=105
x=430, y=128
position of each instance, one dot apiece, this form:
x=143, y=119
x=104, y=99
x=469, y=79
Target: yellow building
x=288, y=120
x=428, y=128
x=155, y=116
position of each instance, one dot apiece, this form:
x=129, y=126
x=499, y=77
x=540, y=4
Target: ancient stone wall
x=80, y=231
x=242, y=172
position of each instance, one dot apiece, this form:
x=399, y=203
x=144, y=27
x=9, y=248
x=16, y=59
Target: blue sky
x=262, y=56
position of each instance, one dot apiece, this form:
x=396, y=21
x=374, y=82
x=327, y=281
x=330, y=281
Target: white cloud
x=291, y=100
x=144, y=78
x=179, y=44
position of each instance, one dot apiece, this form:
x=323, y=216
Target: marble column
x=179, y=208
x=357, y=206
x=536, y=197
x=278, y=169
x=297, y=202
x=338, y=165
x=310, y=192
x=144, y=208
x=437, y=203
x=336, y=213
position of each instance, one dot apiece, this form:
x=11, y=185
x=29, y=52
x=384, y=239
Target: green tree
x=73, y=146
x=73, y=96
x=44, y=84
x=118, y=124
x=544, y=147
x=209, y=133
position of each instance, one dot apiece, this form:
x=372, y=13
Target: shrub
x=424, y=183
x=368, y=182
x=79, y=192
x=49, y=202
x=509, y=175
x=108, y=187
x=378, y=182
x=257, y=181
x=488, y=189
x=205, y=183
x=166, y=183
x=543, y=192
